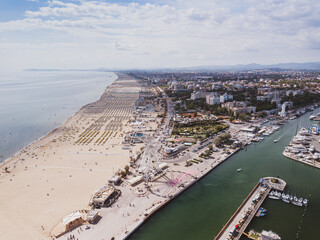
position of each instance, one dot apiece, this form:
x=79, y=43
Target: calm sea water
x=34, y=103
x=201, y=211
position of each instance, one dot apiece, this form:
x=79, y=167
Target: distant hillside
x=255, y=66
x=238, y=67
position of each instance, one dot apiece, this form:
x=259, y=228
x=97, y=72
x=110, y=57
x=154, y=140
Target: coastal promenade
x=240, y=220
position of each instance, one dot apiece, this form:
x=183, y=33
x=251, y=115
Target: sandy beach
x=57, y=174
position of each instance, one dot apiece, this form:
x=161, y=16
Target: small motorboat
x=262, y=214
x=263, y=210
x=239, y=170
x=276, y=140
x=291, y=198
x=296, y=201
x=305, y=202
x=285, y=198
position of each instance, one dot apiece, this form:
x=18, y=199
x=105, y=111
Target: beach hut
x=72, y=221
x=92, y=216
x=135, y=181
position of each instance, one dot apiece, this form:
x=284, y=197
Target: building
x=135, y=181
x=239, y=107
x=216, y=86
x=72, y=221
x=177, y=86
x=269, y=235
x=225, y=97
x=251, y=129
x=93, y=216
x=171, y=151
x=263, y=90
x=284, y=107
x=212, y=99
x=105, y=196
x=297, y=92
x=197, y=95
x=263, y=98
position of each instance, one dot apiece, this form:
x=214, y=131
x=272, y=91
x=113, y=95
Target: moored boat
x=305, y=202
x=274, y=195
x=297, y=201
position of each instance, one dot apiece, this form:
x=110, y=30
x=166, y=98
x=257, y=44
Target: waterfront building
x=239, y=107
x=284, y=106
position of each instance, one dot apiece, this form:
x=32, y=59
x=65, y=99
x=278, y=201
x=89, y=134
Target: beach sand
x=57, y=174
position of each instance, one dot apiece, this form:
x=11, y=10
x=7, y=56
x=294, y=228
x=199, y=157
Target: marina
x=240, y=220
x=305, y=146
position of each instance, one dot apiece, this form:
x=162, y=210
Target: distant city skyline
x=156, y=34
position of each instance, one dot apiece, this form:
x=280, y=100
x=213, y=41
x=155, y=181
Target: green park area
x=198, y=130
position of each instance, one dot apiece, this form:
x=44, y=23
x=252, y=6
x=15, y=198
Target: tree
x=243, y=117
x=177, y=107
x=122, y=174
x=262, y=114
x=222, y=139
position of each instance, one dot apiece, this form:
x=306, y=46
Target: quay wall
x=236, y=212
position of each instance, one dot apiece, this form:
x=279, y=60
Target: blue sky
x=165, y=33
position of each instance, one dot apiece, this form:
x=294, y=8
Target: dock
x=240, y=220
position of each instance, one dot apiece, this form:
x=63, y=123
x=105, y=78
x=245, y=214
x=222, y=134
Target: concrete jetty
x=249, y=207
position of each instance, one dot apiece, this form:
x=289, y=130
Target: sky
x=145, y=34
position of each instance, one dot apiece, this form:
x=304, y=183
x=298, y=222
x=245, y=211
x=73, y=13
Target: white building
x=225, y=97
x=284, y=107
x=212, y=99
x=197, y=95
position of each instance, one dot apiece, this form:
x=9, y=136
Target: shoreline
x=286, y=154
x=6, y=160
x=47, y=175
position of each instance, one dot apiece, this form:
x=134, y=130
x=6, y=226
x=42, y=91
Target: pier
x=249, y=207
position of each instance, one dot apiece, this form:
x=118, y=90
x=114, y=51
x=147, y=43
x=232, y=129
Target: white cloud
x=179, y=33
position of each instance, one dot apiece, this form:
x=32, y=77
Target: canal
x=200, y=212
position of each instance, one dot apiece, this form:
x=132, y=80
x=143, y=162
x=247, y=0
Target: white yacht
x=274, y=195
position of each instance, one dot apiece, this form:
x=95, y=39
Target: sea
x=33, y=103
x=201, y=211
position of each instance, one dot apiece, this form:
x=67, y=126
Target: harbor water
x=34, y=103
x=200, y=212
